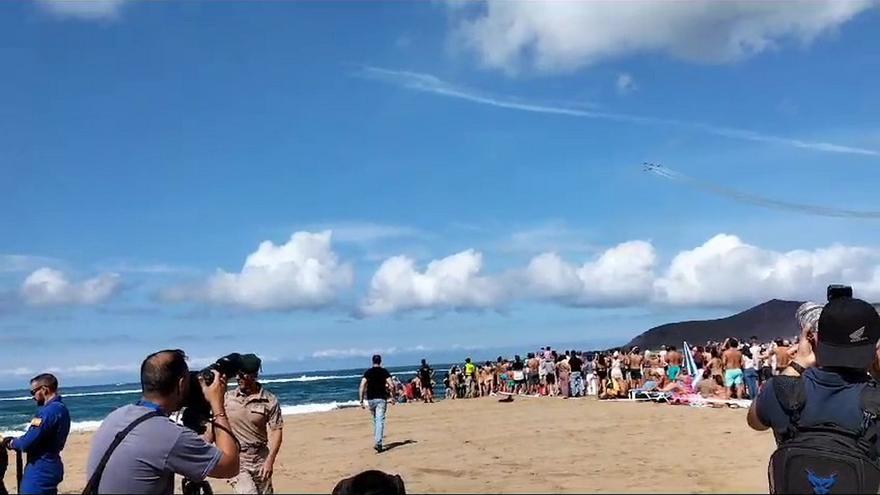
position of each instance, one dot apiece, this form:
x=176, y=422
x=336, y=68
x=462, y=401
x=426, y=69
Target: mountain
x=768, y=321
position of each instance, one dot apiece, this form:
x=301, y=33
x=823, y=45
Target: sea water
x=298, y=393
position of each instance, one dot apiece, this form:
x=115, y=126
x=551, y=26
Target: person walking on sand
x=375, y=387
x=733, y=373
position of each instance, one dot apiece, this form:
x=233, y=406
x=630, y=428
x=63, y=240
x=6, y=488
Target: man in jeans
x=577, y=379
x=375, y=386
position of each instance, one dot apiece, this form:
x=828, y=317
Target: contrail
x=428, y=83
x=754, y=199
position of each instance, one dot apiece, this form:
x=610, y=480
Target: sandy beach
x=530, y=445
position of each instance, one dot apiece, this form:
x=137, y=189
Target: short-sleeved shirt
x=547, y=367
x=575, y=363
x=829, y=398
x=377, y=379
x=425, y=373
x=150, y=455
x=469, y=369
x=251, y=416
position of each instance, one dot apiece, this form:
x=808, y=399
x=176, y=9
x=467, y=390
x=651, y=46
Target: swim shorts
x=672, y=372
x=733, y=377
x=635, y=374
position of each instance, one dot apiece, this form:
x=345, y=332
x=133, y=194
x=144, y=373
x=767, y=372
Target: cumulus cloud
x=621, y=276
x=90, y=10
x=49, y=287
x=722, y=272
x=625, y=83
x=453, y=282
x=302, y=273
x=516, y=35
x=725, y=271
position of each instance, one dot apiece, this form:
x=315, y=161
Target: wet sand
x=528, y=446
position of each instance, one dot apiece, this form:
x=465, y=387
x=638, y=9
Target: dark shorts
x=602, y=374
x=534, y=378
x=551, y=379
x=426, y=383
x=635, y=374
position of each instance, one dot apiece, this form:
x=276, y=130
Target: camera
x=837, y=291
x=197, y=411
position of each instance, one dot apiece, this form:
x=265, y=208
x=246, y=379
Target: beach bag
x=824, y=458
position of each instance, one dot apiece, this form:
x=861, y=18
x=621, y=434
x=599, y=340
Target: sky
x=319, y=181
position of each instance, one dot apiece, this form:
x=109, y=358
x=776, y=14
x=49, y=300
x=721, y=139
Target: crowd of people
x=733, y=369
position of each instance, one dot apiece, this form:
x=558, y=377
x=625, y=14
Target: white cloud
x=302, y=273
x=48, y=287
x=516, y=35
x=725, y=271
x=625, y=83
x=24, y=262
x=453, y=282
x=83, y=9
x=621, y=276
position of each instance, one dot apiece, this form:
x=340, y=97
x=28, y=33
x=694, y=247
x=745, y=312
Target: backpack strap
x=870, y=404
x=95, y=481
x=791, y=394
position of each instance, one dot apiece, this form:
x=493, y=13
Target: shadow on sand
x=394, y=445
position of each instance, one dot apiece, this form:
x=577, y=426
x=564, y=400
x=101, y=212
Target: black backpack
x=824, y=458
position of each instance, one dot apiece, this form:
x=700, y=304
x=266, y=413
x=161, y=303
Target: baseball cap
x=250, y=363
x=848, y=333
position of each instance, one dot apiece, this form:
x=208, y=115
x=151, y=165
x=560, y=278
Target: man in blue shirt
x=44, y=438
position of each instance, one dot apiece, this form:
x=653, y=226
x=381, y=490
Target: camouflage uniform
x=251, y=417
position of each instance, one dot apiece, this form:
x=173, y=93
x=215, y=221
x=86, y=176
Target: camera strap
x=95, y=481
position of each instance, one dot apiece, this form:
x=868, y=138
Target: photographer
x=157, y=448
x=823, y=407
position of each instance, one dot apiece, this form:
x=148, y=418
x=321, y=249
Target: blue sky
x=454, y=176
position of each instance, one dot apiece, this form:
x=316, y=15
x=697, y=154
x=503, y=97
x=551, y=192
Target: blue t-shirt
x=829, y=398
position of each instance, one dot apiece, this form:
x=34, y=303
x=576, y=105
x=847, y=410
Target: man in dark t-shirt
x=426, y=375
x=375, y=387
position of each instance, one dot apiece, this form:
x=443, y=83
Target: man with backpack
x=823, y=408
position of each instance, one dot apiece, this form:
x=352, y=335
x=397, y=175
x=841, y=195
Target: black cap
x=848, y=333
x=250, y=363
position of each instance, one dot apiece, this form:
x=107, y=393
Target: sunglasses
x=34, y=391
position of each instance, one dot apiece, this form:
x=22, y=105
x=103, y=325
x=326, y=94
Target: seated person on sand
x=612, y=389
x=712, y=386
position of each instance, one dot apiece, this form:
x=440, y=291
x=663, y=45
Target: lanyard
x=149, y=405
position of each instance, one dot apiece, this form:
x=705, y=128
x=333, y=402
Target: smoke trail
x=754, y=199
x=428, y=83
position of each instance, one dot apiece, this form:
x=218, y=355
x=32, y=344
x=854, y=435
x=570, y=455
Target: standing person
x=673, y=362
x=563, y=375
x=44, y=439
x=577, y=379
x=156, y=449
x=635, y=367
x=750, y=372
x=823, y=409
x=782, y=355
x=374, y=388
x=255, y=416
x=519, y=376
x=589, y=375
x=549, y=371
x=470, y=378
x=733, y=364
x=426, y=376
x=534, y=378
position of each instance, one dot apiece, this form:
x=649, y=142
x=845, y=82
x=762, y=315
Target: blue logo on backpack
x=821, y=486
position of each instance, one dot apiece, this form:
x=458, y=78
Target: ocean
x=298, y=393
